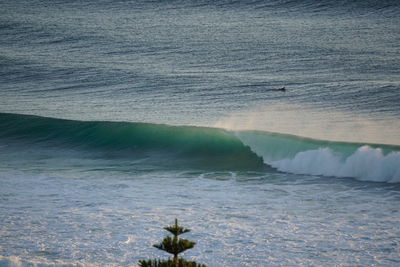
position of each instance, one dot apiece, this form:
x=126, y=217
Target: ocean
x=269, y=128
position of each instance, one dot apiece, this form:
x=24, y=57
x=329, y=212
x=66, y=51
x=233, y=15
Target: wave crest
x=202, y=147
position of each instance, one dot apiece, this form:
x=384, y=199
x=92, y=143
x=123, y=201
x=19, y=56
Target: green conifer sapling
x=173, y=245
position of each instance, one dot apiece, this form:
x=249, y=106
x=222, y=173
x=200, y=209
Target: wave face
x=207, y=148
x=215, y=148
x=286, y=153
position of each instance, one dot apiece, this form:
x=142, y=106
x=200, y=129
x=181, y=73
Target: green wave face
x=197, y=146
x=182, y=147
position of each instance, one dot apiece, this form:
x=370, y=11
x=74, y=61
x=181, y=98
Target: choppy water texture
x=138, y=112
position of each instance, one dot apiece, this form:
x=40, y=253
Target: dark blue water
x=199, y=61
x=306, y=176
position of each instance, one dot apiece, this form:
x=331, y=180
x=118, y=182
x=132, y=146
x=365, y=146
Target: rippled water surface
x=238, y=219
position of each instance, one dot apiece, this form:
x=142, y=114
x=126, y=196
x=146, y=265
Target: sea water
x=118, y=117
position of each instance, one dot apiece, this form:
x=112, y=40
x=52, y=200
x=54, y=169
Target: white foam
x=367, y=164
x=14, y=261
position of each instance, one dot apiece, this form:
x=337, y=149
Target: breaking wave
x=293, y=154
x=208, y=148
x=368, y=164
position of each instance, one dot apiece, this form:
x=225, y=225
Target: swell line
x=207, y=148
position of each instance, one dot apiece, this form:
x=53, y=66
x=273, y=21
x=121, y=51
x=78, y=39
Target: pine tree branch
x=175, y=245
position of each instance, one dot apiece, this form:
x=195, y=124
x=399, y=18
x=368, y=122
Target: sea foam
x=366, y=163
x=294, y=154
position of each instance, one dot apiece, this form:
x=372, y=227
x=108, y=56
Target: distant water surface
x=197, y=62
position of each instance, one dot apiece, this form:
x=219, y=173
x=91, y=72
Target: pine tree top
x=176, y=229
x=175, y=245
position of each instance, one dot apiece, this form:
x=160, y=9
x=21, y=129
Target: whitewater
x=307, y=156
x=116, y=117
